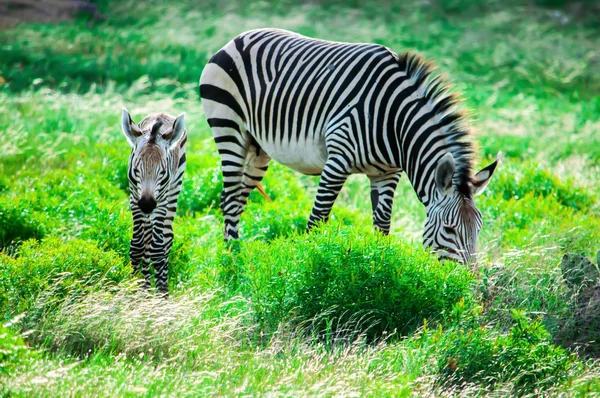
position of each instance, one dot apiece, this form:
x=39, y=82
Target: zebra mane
x=156, y=123
x=456, y=134
x=154, y=132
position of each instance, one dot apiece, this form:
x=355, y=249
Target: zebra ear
x=177, y=131
x=481, y=179
x=444, y=172
x=130, y=130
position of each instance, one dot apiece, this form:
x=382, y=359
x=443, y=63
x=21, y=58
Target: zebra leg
x=334, y=175
x=137, y=246
x=147, y=283
x=162, y=239
x=257, y=163
x=233, y=149
x=161, y=263
x=383, y=189
x=244, y=164
x=161, y=266
x=138, y=249
x=237, y=190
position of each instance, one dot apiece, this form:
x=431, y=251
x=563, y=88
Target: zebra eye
x=449, y=230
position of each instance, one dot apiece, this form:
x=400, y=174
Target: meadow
x=342, y=311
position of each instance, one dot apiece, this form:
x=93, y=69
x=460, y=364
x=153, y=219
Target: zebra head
x=453, y=221
x=150, y=164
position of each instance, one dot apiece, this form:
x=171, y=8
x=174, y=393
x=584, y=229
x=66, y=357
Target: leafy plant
x=13, y=352
x=55, y=266
x=339, y=281
x=524, y=357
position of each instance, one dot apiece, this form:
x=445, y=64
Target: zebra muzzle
x=147, y=204
x=449, y=254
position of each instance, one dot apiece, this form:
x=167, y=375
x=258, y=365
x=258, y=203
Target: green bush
x=17, y=224
x=339, y=281
x=76, y=62
x=197, y=242
x=267, y=221
x=535, y=220
x=75, y=203
x=107, y=160
x=530, y=179
x=202, y=183
x=57, y=268
x=524, y=357
x=13, y=351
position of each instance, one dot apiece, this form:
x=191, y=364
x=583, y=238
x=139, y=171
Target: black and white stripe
x=333, y=109
x=156, y=166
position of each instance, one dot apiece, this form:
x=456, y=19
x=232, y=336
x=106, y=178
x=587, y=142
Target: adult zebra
x=334, y=109
x=156, y=166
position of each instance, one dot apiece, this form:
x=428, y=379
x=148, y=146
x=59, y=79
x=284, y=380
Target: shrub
x=342, y=280
x=17, y=224
x=580, y=327
x=75, y=203
x=524, y=357
x=530, y=179
x=55, y=266
x=197, y=242
x=202, y=183
x=107, y=160
x=267, y=221
x=13, y=351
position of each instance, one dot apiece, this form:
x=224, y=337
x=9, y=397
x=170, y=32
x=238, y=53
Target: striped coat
x=334, y=109
x=156, y=166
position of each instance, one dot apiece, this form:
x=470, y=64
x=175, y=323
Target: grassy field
x=339, y=312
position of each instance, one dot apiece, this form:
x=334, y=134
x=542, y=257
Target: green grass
x=341, y=311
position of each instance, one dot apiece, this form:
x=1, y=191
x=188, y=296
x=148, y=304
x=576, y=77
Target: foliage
x=530, y=179
x=57, y=267
x=13, y=351
x=281, y=312
x=17, y=225
x=339, y=282
x=125, y=320
x=525, y=356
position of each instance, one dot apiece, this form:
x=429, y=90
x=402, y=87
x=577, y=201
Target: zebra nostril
x=147, y=204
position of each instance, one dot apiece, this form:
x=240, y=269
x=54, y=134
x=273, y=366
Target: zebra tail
x=261, y=189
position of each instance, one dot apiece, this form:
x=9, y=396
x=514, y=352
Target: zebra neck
x=420, y=166
x=423, y=182
x=424, y=138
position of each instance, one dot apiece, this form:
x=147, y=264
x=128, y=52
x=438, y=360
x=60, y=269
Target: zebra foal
x=156, y=166
x=334, y=109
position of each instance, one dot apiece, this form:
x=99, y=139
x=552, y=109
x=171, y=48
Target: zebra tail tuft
x=261, y=189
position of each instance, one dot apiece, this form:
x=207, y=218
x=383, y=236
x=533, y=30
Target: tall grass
x=340, y=312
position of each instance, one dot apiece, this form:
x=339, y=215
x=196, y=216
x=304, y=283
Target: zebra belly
x=306, y=158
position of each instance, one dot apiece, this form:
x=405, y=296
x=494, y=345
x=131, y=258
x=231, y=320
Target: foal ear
x=482, y=179
x=176, y=132
x=444, y=173
x=130, y=130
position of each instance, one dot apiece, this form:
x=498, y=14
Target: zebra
x=156, y=166
x=334, y=109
